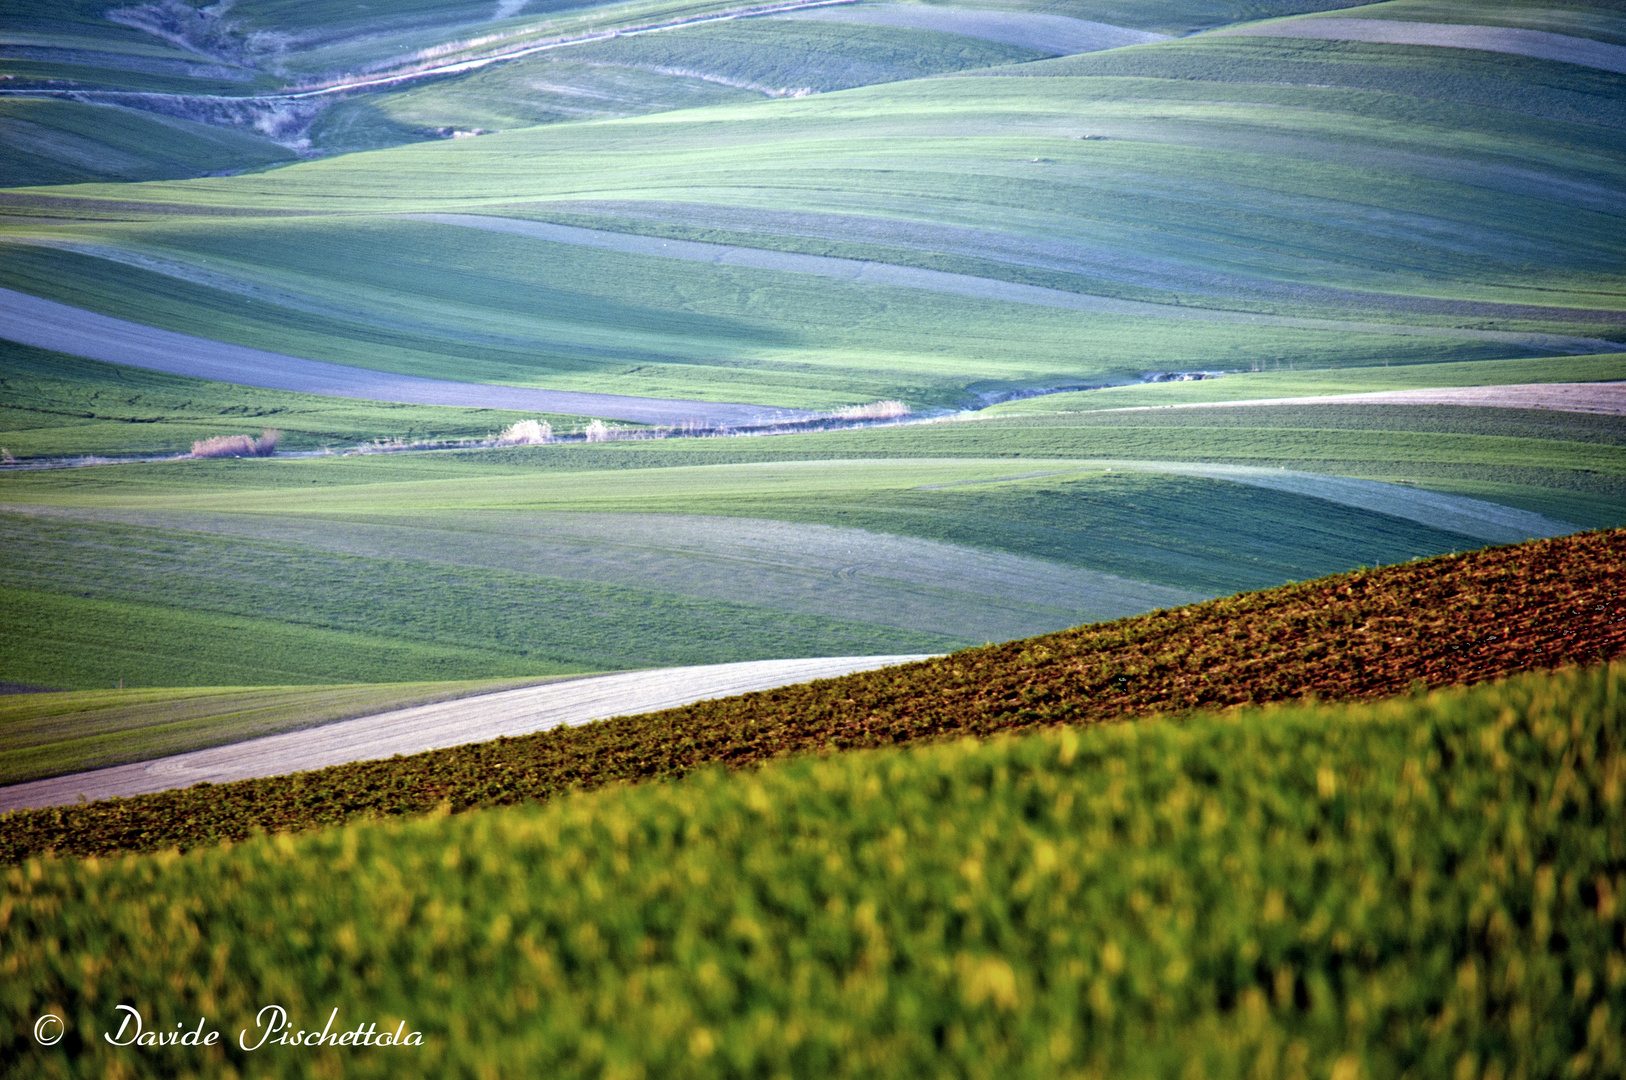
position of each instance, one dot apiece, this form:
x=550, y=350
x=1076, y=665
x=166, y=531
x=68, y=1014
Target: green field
x=911, y=871
x=497, y=563
x=1281, y=260
x=532, y=561
x=722, y=63
x=89, y=603
x=1356, y=891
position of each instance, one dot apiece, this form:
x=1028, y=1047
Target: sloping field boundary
x=911, y=277
x=1056, y=34
x=1460, y=514
x=804, y=567
x=1538, y=44
x=440, y=725
x=1605, y=399
x=1477, y=518
x=47, y=324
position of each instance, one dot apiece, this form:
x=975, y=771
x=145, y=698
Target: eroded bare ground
x=439, y=725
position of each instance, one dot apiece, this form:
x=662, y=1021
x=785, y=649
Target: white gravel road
x=47, y=324
x=440, y=725
x=1602, y=398
x=1502, y=39
x=911, y=277
x=1056, y=34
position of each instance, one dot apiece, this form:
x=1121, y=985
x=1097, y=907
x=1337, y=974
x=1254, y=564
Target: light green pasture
x=705, y=550
x=450, y=302
x=536, y=572
x=1286, y=176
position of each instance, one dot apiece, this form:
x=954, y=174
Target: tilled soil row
x=1369, y=634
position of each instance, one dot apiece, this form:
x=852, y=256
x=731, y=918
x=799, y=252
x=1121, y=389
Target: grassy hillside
x=1600, y=22
x=65, y=142
x=513, y=310
x=91, y=602
x=1367, y=635
x=498, y=563
x=1426, y=886
x=206, y=68
x=720, y=63
x=1498, y=234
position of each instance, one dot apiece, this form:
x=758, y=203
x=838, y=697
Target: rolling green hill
x=1497, y=234
x=576, y=557
x=893, y=872
x=1408, y=215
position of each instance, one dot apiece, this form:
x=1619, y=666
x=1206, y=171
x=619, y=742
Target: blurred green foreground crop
x=1430, y=886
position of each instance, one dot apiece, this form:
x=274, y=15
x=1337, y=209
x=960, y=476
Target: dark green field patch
x=65, y=142
x=1520, y=84
x=59, y=639
x=1210, y=536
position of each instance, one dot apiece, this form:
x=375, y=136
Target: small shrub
x=526, y=433
x=238, y=445
x=875, y=410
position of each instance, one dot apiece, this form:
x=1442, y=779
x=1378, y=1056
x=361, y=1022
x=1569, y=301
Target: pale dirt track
x=1056, y=34
x=1538, y=44
x=433, y=727
x=1603, y=398
x=912, y=277
x=46, y=324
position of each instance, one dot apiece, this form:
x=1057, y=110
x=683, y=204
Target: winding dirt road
x=46, y=324
x=440, y=725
